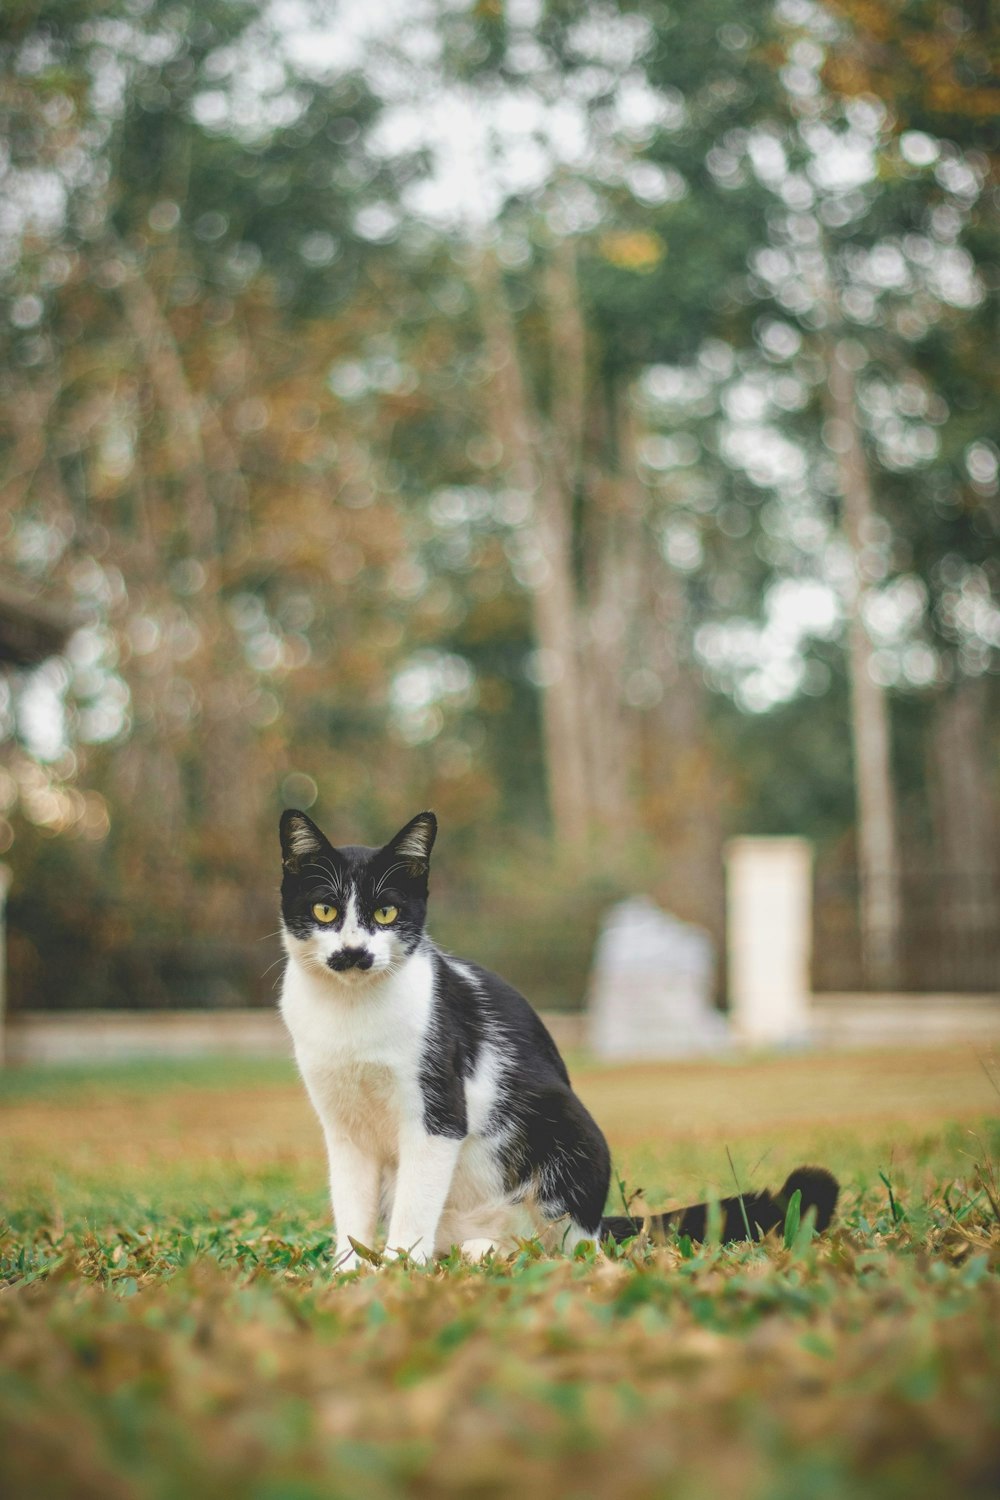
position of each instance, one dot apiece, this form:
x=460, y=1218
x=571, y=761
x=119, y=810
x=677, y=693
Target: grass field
x=170, y=1327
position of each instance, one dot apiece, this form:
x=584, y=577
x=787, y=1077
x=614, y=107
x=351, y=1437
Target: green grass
x=59, y=1082
x=170, y=1325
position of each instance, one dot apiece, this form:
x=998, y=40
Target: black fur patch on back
x=545, y=1139
x=558, y=1148
x=453, y=1047
x=550, y=1142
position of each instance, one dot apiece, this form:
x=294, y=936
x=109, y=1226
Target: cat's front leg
x=354, y=1195
x=423, y=1180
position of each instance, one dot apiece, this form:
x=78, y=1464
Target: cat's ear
x=301, y=840
x=415, y=842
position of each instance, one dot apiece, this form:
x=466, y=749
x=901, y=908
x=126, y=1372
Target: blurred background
x=581, y=419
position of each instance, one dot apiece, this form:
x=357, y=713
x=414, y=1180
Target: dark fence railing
x=948, y=942
x=113, y=965
x=156, y=971
x=948, y=938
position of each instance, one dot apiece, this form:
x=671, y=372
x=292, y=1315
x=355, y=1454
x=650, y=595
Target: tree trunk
x=684, y=790
x=963, y=796
x=962, y=781
x=533, y=466
x=162, y=358
x=607, y=644
x=878, y=851
x=202, y=451
x=596, y=611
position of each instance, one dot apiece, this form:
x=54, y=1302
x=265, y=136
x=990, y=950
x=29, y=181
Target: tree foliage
x=519, y=492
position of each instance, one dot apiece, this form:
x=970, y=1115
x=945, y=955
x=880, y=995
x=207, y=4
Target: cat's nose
x=350, y=958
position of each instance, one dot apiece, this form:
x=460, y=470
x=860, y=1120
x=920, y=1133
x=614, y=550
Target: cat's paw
x=477, y=1249
x=579, y=1241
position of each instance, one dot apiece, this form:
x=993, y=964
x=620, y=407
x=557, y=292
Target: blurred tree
x=178, y=198
x=576, y=295
x=442, y=430
x=935, y=68
x=858, y=225
x=939, y=82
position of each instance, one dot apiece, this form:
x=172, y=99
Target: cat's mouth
x=347, y=959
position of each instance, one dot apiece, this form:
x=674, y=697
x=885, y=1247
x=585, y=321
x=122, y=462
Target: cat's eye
x=386, y=915
x=324, y=913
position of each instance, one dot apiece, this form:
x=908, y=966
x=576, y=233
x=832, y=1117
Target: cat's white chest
x=359, y=1050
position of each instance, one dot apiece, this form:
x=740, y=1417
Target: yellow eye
x=386, y=915
x=324, y=913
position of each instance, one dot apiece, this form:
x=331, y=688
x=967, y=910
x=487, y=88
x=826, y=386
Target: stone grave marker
x=651, y=987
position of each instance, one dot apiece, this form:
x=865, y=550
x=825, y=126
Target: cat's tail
x=762, y=1211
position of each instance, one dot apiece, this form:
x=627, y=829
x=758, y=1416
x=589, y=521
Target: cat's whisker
x=401, y=864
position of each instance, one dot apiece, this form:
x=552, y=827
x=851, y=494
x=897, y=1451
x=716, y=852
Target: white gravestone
x=769, y=938
x=651, y=986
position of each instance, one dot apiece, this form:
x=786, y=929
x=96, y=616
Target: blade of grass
x=739, y=1194
x=371, y=1256
x=894, y=1208
x=793, y=1217
x=805, y=1233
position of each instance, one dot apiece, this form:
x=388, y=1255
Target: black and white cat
x=443, y=1100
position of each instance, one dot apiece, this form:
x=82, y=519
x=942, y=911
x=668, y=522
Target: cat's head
x=353, y=913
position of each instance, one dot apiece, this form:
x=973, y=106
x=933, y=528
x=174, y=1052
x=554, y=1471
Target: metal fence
x=948, y=940
x=58, y=970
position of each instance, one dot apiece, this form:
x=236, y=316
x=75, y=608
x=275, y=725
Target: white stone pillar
x=4, y=888
x=769, y=938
